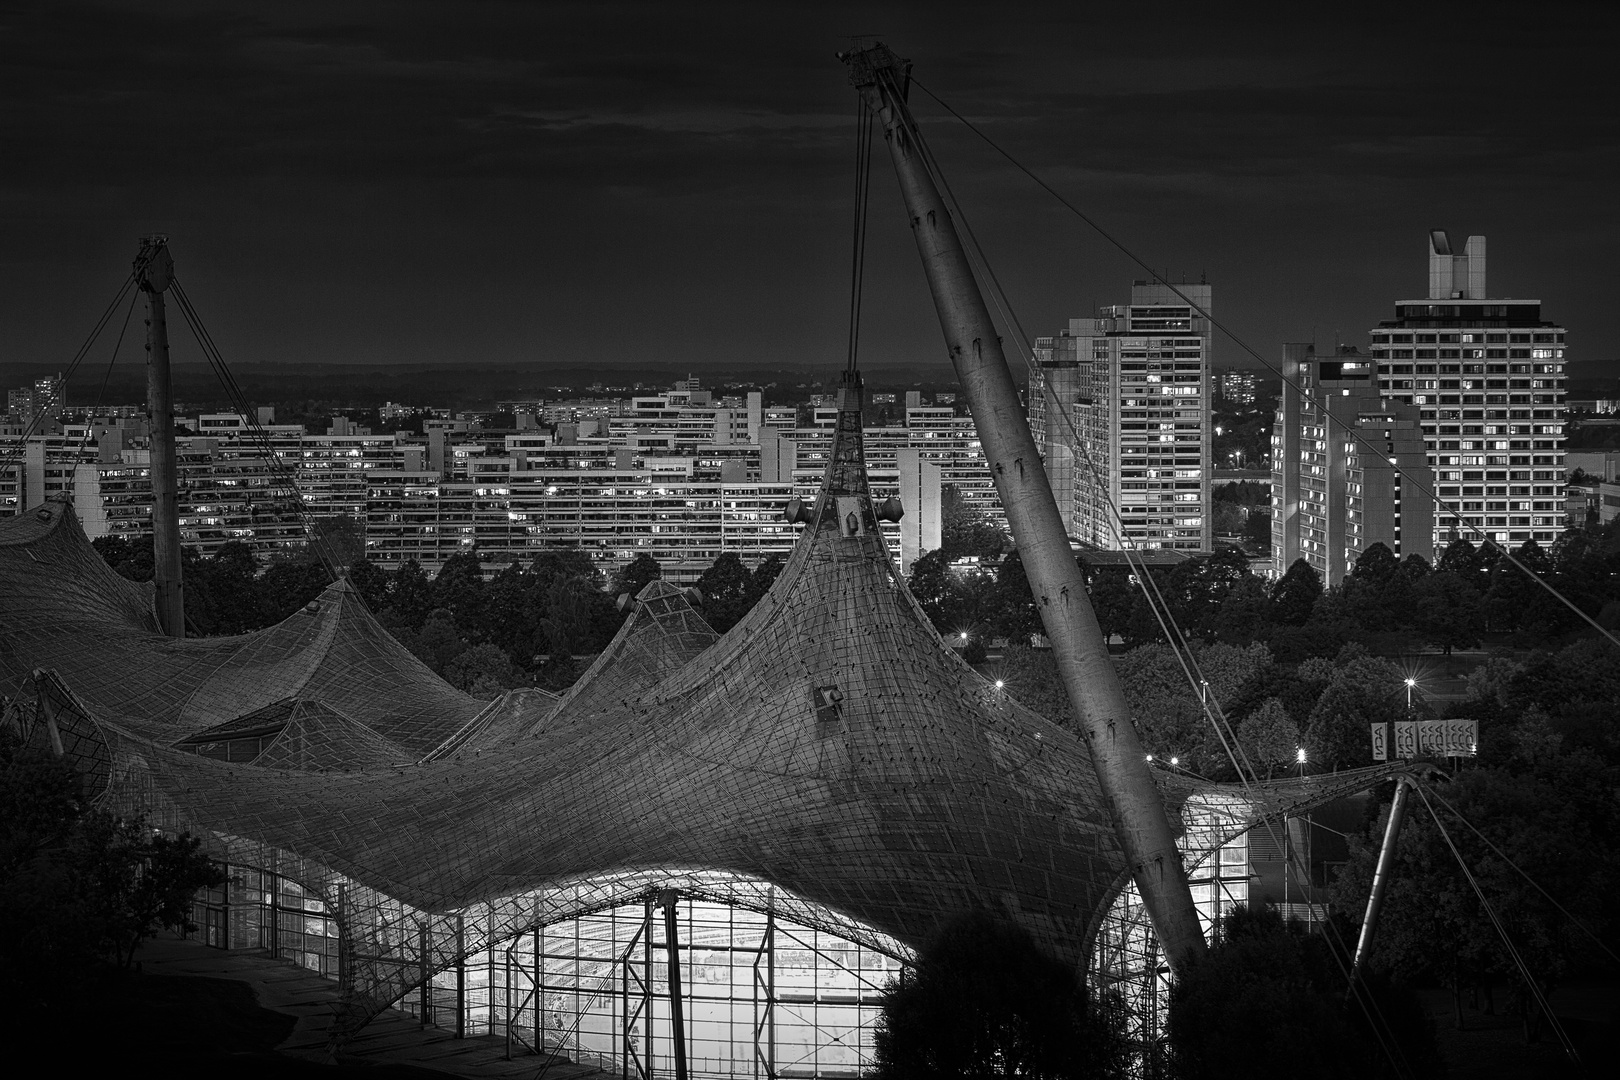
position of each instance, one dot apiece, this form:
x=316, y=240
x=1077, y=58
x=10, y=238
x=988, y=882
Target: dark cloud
x=601, y=181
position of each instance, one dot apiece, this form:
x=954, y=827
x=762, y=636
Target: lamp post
x=1410, y=682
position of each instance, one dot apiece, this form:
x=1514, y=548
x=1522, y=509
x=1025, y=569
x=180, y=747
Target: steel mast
x=154, y=271
x=1055, y=578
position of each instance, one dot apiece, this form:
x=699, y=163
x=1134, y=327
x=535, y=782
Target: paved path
x=393, y=1037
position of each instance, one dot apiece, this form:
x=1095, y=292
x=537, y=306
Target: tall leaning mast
x=154, y=272
x=1015, y=464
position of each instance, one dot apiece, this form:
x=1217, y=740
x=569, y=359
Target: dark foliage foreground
x=80, y=889
x=983, y=1001
x=1269, y=994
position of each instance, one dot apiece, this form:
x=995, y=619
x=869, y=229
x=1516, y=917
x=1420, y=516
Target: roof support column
x=1381, y=874
x=677, y=1018
x=154, y=271
x=1055, y=578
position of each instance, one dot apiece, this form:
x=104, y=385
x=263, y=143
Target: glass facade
x=256, y=909
x=1128, y=971
x=760, y=995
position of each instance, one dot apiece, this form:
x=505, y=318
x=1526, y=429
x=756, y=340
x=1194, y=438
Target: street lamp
x=1410, y=682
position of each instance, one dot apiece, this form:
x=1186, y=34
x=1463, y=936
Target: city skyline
x=514, y=184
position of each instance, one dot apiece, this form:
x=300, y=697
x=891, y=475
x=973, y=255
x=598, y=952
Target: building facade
x=1238, y=386
x=1348, y=466
x=1487, y=378
x=1138, y=382
x=674, y=476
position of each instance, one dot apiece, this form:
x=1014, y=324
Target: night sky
x=502, y=182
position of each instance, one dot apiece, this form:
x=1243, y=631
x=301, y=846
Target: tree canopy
x=79, y=887
x=984, y=1001
x=1269, y=992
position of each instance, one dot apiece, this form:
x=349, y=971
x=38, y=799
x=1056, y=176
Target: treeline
x=530, y=624
x=1387, y=605
x=226, y=593
x=1293, y=665
x=1541, y=795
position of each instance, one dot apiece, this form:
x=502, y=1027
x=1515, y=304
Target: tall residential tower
x=1487, y=377
x=1348, y=467
x=1135, y=381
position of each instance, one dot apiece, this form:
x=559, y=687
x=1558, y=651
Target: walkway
x=392, y=1038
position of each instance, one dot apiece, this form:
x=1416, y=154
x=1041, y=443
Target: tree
x=1513, y=600
x=1196, y=589
x=637, y=575
x=1269, y=992
x=482, y=671
x=134, y=880
x=1376, y=565
x=222, y=593
x=510, y=613
x=1461, y=558
x=79, y=887
x=1269, y=736
x=1112, y=597
x=965, y=530
x=1257, y=529
x=129, y=558
x=553, y=565
x=1364, y=690
x=1012, y=606
x=984, y=1001
x=371, y=582
x=1295, y=594
x=288, y=586
x=1446, y=611
x=930, y=584
x=438, y=642
x=1169, y=715
x=1032, y=677
x=342, y=537
x=410, y=594
x=1244, y=615
x=763, y=577
x=724, y=586
x=1539, y=805
x=459, y=589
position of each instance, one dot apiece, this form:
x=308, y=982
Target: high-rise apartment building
x=1055, y=392
x=43, y=401
x=1349, y=466
x=1136, y=382
x=1487, y=377
x=1237, y=386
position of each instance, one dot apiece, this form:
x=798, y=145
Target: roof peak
x=846, y=463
